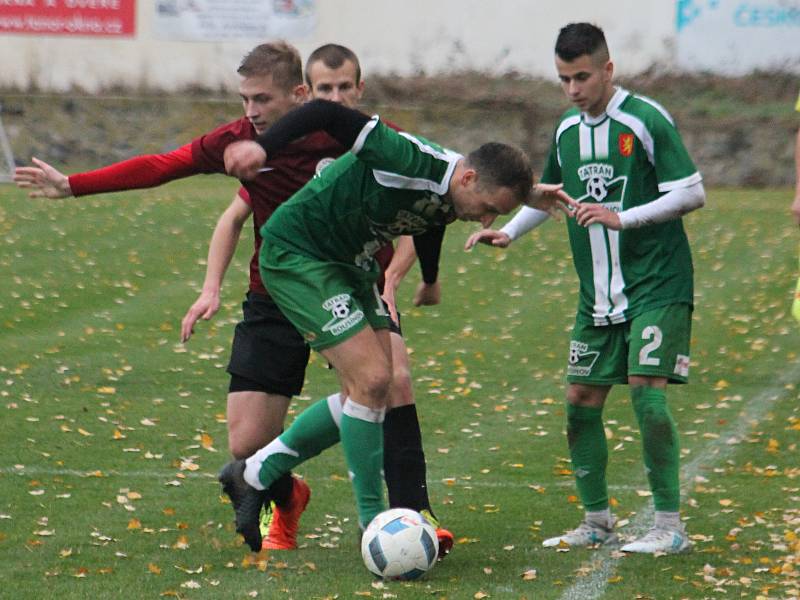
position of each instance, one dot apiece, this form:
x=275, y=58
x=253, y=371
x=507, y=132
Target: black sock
x=404, y=460
x=281, y=490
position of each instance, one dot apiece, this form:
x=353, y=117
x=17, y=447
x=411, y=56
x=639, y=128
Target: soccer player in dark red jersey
x=268, y=357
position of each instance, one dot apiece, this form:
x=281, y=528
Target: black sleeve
x=428, y=246
x=342, y=123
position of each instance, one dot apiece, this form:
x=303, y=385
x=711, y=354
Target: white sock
x=364, y=413
x=668, y=520
x=253, y=463
x=601, y=517
x=335, y=406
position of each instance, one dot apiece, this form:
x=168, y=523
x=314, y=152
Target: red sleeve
x=138, y=172
x=394, y=126
x=208, y=151
x=245, y=195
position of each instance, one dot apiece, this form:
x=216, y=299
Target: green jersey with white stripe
x=628, y=156
x=389, y=184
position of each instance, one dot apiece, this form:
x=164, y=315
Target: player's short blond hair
x=279, y=59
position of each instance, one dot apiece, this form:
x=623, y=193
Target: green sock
x=589, y=452
x=313, y=431
x=362, y=442
x=659, y=446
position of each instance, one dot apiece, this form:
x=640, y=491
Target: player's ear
x=608, y=70
x=469, y=177
x=300, y=93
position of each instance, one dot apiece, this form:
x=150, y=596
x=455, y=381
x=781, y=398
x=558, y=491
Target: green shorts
x=327, y=302
x=654, y=344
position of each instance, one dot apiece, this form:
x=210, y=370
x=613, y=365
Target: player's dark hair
x=579, y=39
x=279, y=59
x=333, y=56
x=501, y=165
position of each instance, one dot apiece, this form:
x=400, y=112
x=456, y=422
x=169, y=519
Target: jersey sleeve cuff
x=365, y=131
x=668, y=186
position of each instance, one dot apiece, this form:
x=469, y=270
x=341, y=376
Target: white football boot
x=588, y=533
x=661, y=541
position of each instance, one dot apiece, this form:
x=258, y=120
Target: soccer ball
x=399, y=544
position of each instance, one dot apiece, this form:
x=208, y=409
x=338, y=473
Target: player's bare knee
x=373, y=387
x=402, y=392
x=401, y=375
x=586, y=395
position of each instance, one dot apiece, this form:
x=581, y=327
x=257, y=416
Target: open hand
x=551, y=198
x=43, y=180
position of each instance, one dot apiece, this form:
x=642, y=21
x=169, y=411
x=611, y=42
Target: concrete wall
x=403, y=37
x=400, y=36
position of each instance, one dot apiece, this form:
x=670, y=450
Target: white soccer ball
x=399, y=544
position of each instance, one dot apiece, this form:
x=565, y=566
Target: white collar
x=619, y=96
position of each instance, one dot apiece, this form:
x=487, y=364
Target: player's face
x=587, y=82
x=337, y=85
x=265, y=102
x=472, y=203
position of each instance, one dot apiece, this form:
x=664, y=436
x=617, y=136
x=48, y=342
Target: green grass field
x=112, y=431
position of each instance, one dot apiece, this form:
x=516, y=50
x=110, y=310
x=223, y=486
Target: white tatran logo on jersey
x=599, y=178
x=324, y=162
x=581, y=360
x=343, y=319
x=681, y=365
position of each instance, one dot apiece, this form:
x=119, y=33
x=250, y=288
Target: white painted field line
x=155, y=474
x=93, y=473
x=593, y=586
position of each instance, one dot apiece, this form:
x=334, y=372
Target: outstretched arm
x=43, y=180
x=546, y=200
x=671, y=205
x=243, y=159
x=220, y=252
x=144, y=171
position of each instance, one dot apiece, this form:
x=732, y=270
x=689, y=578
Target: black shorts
x=267, y=349
x=395, y=327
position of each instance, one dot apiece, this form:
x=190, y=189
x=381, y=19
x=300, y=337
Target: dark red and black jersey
x=284, y=173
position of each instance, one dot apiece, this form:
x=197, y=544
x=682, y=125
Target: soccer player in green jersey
x=620, y=156
x=317, y=261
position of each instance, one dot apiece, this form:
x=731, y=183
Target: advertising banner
x=736, y=37
x=221, y=20
x=68, y=17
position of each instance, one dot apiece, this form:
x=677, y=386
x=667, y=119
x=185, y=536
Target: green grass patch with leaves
x=113, y=431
